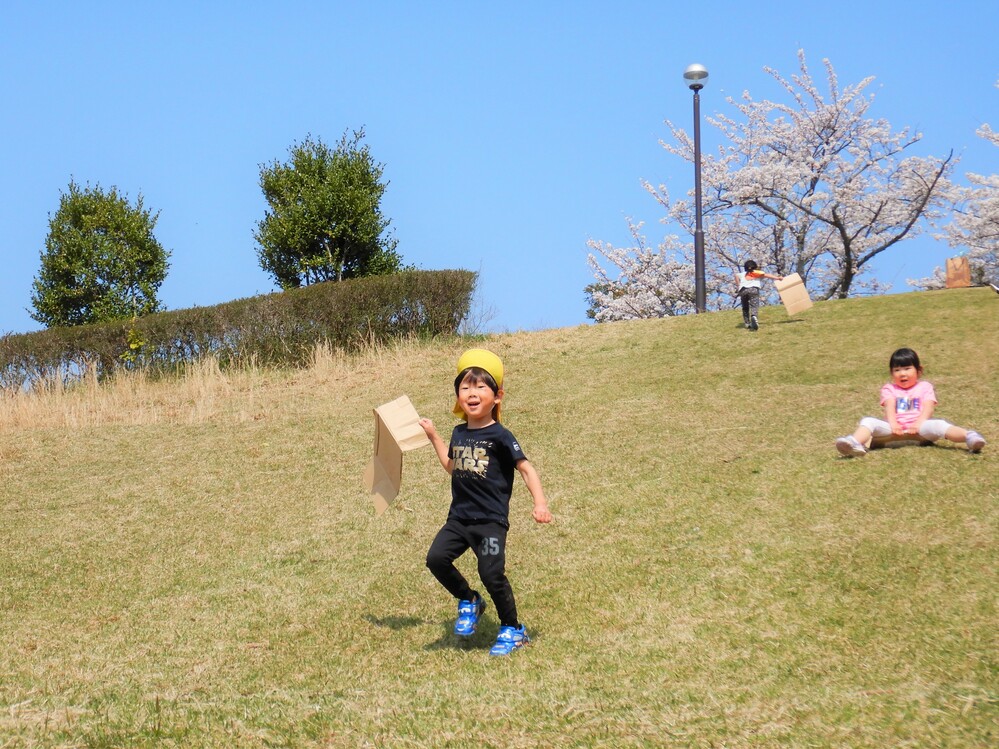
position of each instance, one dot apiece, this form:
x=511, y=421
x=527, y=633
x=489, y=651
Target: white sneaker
x=975, y=442
x=849, y=447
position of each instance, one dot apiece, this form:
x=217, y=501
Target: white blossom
x=649, y=283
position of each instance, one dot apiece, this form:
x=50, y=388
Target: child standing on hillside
x=749, y=283
x=908, y=406
x=481, y=459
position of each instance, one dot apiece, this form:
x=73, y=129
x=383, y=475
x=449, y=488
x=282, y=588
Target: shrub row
x=273, y=329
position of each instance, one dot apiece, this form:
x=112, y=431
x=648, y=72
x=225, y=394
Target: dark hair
x=904, y=357
x=750, y=266
x=477, y=374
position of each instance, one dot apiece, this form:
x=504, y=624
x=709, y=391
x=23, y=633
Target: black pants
x=488, y=541
x=750, y=303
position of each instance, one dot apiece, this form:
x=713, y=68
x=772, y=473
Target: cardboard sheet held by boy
x=397, y=430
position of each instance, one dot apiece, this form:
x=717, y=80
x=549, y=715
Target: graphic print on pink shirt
x=909, y=402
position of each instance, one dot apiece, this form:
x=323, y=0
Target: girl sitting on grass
x=908, y=403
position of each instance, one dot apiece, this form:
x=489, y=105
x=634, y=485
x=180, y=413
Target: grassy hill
x=194, y=563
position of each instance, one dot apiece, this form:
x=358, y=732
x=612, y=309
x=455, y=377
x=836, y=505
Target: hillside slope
x=194, y=562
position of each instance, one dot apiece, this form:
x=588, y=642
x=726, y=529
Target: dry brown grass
x=202, y=392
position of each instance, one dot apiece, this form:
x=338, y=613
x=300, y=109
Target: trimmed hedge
x=281, y=328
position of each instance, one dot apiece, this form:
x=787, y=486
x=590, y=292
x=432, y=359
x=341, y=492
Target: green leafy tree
x=101, y=260
x=324, y=222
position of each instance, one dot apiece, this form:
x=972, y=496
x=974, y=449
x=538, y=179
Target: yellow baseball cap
x=483, y=359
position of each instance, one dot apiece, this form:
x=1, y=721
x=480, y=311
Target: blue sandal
x=468, y=616
x=509, y=639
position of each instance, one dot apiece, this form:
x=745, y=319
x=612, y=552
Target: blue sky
x=510, y=132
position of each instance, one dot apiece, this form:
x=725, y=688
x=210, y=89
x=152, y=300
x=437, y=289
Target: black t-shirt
x=482, y=475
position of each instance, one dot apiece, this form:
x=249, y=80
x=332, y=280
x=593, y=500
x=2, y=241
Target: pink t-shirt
x=909, y=402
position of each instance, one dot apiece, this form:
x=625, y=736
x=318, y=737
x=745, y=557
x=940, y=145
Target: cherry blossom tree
x=976, y=222
x=813, y=186
x=650, y=282
x=975, y=225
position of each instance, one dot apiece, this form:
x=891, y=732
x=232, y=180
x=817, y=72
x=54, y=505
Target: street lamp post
x=696, y=76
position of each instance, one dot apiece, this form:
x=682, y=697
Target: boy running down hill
x=748, y=285
x=481, y=459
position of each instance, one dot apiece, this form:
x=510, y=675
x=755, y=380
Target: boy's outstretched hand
x=439, y=447
x=542, y=514
x=428, y=427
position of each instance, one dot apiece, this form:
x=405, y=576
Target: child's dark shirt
x=482, y=474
